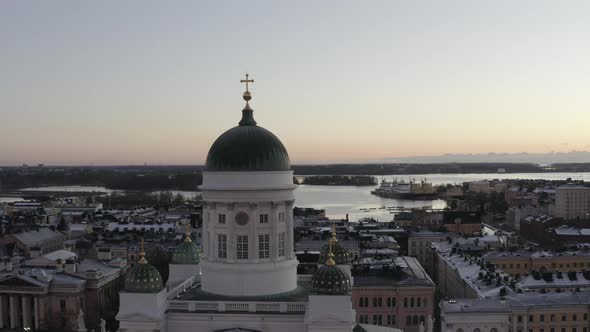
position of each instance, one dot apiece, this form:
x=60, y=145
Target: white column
x=289, y=245
x=36, y=308
x=25, y=311
x=13, y=314
x=1, y=312
x=274, y=234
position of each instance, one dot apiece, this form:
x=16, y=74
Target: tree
x=160, y=258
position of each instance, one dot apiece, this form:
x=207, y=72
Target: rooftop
x=32, y=238
x=410, y=273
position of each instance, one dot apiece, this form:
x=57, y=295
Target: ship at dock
x=401, y=189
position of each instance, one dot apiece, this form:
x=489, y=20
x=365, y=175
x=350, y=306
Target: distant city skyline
x=110, y=83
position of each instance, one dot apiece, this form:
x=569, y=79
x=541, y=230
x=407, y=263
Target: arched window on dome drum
x=493, y=329
x=476, y=330
x=459, y=330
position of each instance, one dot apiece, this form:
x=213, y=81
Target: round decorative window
x=242, y=218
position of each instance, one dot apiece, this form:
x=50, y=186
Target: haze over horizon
x=111, y=83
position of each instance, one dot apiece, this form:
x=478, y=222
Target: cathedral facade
x=246, y=278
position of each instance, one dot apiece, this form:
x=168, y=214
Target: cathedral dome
x=186, y=253
x=330, y=280
x=143, y=278
x=247, y=147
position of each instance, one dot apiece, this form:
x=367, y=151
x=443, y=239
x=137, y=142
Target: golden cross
x=247, y=81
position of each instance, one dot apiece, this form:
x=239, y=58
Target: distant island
x=339, y=180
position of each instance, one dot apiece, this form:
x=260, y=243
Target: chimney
x=59, y=267
x=71, y=266
x=35, y=252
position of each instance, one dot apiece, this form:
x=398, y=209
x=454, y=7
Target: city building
x=44, y=239
x=399, y=295
x=572, y=202
x=532, y=312
x=518, y=263
x=419, y=244
x=60, y=294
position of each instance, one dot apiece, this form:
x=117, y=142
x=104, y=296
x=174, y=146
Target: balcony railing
x=228, y=306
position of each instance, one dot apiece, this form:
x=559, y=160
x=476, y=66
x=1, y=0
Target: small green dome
x=247, y=147
x=186, y=253
x=330, y=280
x=341, y=255
x=143, y=278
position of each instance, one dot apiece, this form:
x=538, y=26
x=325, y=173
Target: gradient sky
x=128, y=82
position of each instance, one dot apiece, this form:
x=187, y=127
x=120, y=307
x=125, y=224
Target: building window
x=221, y=245
x=221, y=218
x=281, y=244
x=542, y=318
x=389, y=302
x=408, y=320
x=459, y=330
x=361, y=302
x=412, y=302
x=242, y=247
x=574, y=317
x=366, y=302
x=406, y=303
x=281, y=216
x=585, y=316
x=62, y=305
x=393, y=320
x=374, y=319
x=374, y=302
x=476, y=330
x=419, y=302
x=264, y=218
x=415, y=320
x=393, y=301
x=388, y=320
x=531, y=318
x=380, y=302
x=493, y=329
x=263, y=246
x=563, y=318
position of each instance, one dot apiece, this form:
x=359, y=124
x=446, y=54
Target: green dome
x=341, y=255
x=247, y=147
x=143, y=278
x=330, y=280
x=186, y=253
